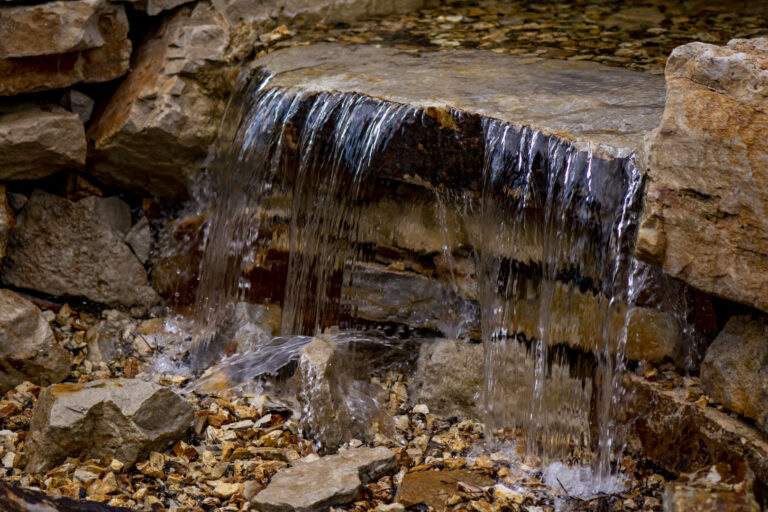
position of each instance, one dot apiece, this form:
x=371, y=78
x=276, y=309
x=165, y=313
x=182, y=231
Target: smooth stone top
x=581, y=101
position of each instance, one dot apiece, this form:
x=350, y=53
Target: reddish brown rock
x=100, y=64
x=434, y=488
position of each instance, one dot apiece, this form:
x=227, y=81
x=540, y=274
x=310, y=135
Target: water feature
x=291, y=176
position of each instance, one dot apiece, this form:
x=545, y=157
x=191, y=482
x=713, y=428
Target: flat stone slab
x=580, y=101
x=324, y=482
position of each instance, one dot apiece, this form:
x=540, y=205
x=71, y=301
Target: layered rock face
x=705, y=215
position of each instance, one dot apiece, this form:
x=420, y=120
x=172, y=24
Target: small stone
x=420, y=409
x=226, y=490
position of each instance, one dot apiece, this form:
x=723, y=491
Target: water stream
x=556, y=225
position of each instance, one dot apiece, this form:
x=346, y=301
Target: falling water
x=288, y=154
x=557, y=221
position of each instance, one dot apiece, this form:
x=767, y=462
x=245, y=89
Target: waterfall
x=554, y=223
x=558, y=223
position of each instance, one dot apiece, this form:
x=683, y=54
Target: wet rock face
x=325, y=482
x=705, y=216
x=58, y=44
x=734, y=370
x=122, y=419
x=66, y=248
x=28, y=349
x=338, y=404
x=38, y=140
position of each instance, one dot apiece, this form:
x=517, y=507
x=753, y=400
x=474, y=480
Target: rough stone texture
x=706, y=209
x=735, y=368
x=105, y=339
x=435, y=488
x=329, y=11
x=337, y=403
x=580, y=101
x=43, y=72
x=50, y=28
x=66, y=248
x=28, y=349
x=325, y=482
x=7, y=221
x=79, y=103
x=139, y=238
x=686, y=498
x=449, y=378
x=156, y=128
x=682, y=436
x=38, y=140
x=114, y=418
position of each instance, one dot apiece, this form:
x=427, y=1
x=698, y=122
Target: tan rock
x=38, y=140
x=734, y=370
x=50, y=28
x=113, y=418
x=43, y=72
x=329, y=11
x=706, y=208
x=156, y=128
x=28, y=349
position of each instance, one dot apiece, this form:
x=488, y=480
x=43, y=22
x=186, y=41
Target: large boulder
x=28, y=349
x=66, y=248
x=156, y=128
x=38, y=140
x=121, y=419
x=65, y=43
x=325, y=482
x=705, y=210
x=734, y=370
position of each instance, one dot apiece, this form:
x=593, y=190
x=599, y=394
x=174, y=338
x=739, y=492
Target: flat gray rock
x=325, y=482
x=581, y=101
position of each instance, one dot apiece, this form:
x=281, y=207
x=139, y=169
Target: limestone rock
x=338, y=404
x=681, y=436
x=105, y=57
x=325, y=482
x=121, y=419
x=449, y=377
x=156, y=128
x=28, y=350
x=36, y=141
x=705, y=210
x=435, y=488
x=66, y=248
x=50, y=28
x=734, y=370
